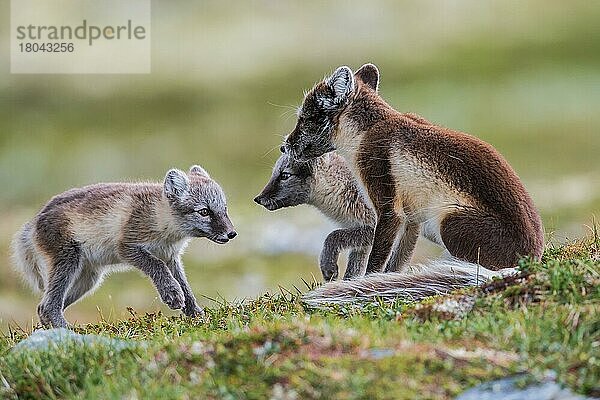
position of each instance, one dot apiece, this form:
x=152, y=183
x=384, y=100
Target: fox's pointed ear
x=341, y=82
x=176, y=184
x=198, y=170
x=368, y=74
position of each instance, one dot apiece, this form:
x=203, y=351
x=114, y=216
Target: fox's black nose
x=232, y=234
x=257, y=199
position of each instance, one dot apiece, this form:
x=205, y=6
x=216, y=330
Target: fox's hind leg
x=88, y=279
x=64, y=269
x=483, y=239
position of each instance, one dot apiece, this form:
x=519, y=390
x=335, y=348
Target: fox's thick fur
x=82, y=234
x=414, y=283
x=455, y=187
x=24, y=258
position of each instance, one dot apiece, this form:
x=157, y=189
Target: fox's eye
x=284, y=175
x=204, y=212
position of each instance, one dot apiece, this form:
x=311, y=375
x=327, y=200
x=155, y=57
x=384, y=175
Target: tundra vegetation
x=547, y=318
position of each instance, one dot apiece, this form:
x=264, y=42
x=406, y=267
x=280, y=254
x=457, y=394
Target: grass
x=273, y=347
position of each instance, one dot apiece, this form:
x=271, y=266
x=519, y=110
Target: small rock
x=378, y=354
x=505, y=389
x=44, y=339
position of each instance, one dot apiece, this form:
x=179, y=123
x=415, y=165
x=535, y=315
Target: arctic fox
x=327, y=184
x=418, y=175
x=79, y=235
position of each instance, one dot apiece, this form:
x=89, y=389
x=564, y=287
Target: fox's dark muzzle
x=264, y=197
x=266, y=202
x=224, y=229
x=222, y=239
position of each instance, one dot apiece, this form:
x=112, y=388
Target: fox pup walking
x=83, y=233
x=457, y=187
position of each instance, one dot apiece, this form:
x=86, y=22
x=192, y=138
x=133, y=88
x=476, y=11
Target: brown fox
x=82, y=234
x=418, y=175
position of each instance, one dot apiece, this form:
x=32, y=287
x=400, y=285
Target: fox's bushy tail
x=417, y=282
x=24, y=257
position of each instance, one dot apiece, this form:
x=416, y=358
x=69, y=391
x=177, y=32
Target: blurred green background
x=226, y=77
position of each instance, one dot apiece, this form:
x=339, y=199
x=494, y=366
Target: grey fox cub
x=83, y=233
x=418, y=175
x=327, y=184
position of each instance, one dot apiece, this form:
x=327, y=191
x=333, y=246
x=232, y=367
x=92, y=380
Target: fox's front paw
x=172, y=296
x=193, y=311
x=329, y=271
